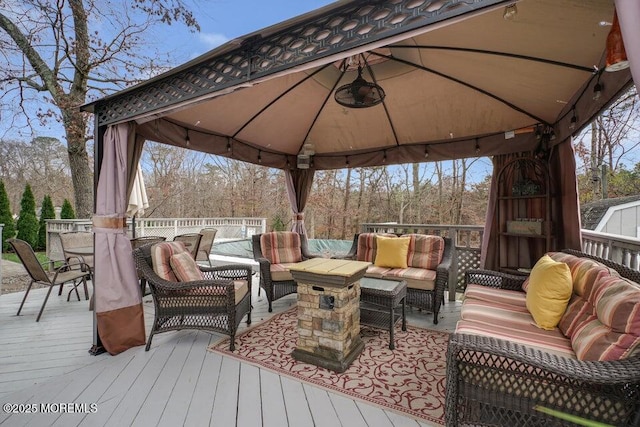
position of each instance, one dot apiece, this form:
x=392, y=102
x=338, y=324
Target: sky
x=220, y=21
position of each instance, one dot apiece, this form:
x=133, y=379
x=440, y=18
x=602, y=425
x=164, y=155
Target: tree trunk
x=81, y=174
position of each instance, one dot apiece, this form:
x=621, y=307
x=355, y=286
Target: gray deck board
x=177, y=382
x=249, y=402
x=225, y=404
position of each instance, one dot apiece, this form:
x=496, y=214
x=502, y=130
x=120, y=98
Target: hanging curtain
x=118, y=302
x=488, y=259
x=629, y=16
x=299, y=183
x=562, y=167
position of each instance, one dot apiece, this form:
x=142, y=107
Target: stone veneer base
x=337, y=365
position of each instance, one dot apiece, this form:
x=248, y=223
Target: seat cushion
x=280, y=272
x=281, y=247
x=160, y=258
x=512, y=323
x=550, y=288
x=185, y=267
x=425, y=251
x=187, y=298
x=416, y=278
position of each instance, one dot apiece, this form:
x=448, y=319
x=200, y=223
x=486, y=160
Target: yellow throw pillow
x=392, y=251
x=549, y=291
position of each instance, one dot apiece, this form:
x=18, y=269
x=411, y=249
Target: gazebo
x=366, y=83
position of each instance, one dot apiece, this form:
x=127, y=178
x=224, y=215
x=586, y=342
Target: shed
x=620, y=215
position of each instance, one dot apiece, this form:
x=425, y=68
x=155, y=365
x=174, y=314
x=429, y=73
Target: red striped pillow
x=185, y=267
x=281, y=247
x=160, y=255
x=425, y=251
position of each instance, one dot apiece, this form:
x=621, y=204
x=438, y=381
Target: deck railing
x=620, y=249
x=228, y=228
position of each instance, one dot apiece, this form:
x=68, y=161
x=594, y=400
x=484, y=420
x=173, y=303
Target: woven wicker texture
x=497, y=382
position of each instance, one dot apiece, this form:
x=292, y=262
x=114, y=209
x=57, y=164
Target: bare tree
x=52, y=59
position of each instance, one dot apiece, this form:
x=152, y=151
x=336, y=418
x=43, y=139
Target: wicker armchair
x=275, y=279
x=211, y=304
x=498, y=382
x=138, y=242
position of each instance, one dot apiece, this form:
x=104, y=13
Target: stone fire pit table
x=328, y=312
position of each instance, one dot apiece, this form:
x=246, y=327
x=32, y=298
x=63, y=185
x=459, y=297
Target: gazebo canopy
x=461, y=78
x=442, y=80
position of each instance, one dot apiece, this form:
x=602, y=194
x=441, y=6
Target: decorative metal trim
x=341, y=29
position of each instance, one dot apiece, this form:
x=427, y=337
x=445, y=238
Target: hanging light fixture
x=616, y=55
x=359, y=93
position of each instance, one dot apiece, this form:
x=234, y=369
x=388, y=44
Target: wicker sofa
x=429, y=261
x=503, y=370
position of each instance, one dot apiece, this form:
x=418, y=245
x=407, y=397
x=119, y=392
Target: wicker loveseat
x=504, y=370
x=428, y=263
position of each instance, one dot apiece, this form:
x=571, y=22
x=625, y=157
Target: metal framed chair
x=73, y=240
x=206, y=243
x=68, y=272
x=191, y=241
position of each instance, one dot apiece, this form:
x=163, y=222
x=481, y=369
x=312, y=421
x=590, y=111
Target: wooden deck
x=177, y=382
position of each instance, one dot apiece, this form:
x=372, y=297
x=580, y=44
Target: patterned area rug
x=409, y=379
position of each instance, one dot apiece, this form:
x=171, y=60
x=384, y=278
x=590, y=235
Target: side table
x=378, y=300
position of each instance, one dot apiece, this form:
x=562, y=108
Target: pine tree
x=67, y=210
x=6, y=218
x=46, y=212
x=28, y=222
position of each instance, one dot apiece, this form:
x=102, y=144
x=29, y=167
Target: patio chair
x=74, y=273
x=191, y=241
x=216, y=300
x=138, y=242
x=276, y=252
x=74, y=240
x=206, y=243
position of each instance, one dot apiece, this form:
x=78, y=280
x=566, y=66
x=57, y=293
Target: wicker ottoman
x=379, y=299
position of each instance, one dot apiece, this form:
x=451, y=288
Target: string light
x=426, y=152
x=228, y=146
x=574, y=120
x=259, y=157
x=384, y=156
x=187, y=140
x=477, y=147
x=597, y=90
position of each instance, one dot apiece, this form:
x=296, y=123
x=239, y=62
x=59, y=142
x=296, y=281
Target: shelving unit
x=523, y=214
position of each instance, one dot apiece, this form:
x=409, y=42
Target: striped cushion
x=185, y=267
x=500, y=296
x=367, y=246
x=281, y=247
x=524, y=334
x=425, y=251
x=584, y=271
x=416, y=278
x=615, y=331
x=280, y=272
x=160, y=258
x=375, y=271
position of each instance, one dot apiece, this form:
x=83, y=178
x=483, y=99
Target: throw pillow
x=392, y=251
x=549, y=291
x=185, y=267
x=160, y=255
